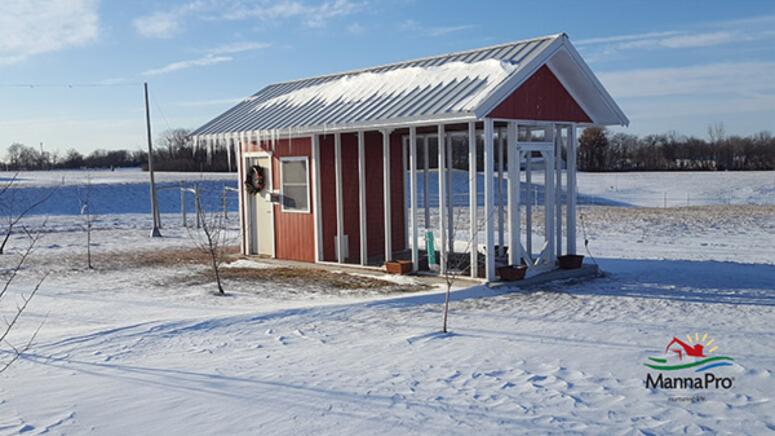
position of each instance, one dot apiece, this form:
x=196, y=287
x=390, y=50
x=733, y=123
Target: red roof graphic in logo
x=695, y=350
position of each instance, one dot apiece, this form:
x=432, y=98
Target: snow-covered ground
x=141, y=346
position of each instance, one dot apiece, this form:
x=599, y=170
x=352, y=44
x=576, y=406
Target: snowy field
x=141, y=346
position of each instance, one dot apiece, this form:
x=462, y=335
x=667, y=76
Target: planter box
x=512, y=273
x=570, y=261
x=398, y=267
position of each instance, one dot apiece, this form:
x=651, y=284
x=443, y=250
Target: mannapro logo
x=696, y=354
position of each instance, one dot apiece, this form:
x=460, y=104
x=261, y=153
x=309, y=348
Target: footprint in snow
x=282, y=340
x=269, y=331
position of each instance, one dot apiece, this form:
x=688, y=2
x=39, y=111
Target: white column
x=339, y=206
x=442, y=247
x=404, y=172
x=472, y=200
x=549, y=207
x=362, y=199
x=426, y=179
x=529, y=205
x=515, y=252
x=558, y=188
x=241, y=177
x=413, y=195
x=316, y=197
x=450, y=198
x=386, y=189
x=501, y=218
x=488, y=199
x=571, y=225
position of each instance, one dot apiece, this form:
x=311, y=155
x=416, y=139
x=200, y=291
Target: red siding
x=542, y=97
x=375, y=229
x=294, y=232
x=327, y=196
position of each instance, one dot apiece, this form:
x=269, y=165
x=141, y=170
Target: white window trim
x=282, y=184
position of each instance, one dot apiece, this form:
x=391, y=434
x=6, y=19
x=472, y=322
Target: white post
x=529, y=205
x=240, y=176
x=472, y=200
x=426, y=179
x=413, y=195
x=549, y=206
x=339, y=206
x=442, y=203
x=501, y=218
x=515, y=253
x=571, y=225
x=316, y=197
x=488, y=199
x=386, y=189
x=404, y=172
x=450, y=197
x=558, y=187
x=362, y=199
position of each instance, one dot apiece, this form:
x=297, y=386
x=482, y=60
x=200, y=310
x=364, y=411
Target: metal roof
x=446, y=87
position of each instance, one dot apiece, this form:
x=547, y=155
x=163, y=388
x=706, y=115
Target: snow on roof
x=359, y=87
x=430, y=88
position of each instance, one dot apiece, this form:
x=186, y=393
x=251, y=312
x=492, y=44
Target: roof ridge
x=454, y=53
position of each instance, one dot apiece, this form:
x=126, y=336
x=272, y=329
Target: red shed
x=389, y=162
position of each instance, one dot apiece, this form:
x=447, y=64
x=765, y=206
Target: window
x=294, y=189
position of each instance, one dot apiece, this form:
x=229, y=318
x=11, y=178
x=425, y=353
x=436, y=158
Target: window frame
x=304, y=159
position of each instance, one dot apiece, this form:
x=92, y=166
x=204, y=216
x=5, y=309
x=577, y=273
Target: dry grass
x=292, y=276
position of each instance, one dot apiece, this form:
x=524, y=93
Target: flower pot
x=570, y=261
x=512, y=273
x=398, y=267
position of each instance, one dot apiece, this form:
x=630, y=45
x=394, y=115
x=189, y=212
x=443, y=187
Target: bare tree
x=10, y=353
x=7, y=204
x=84, y=197
x=211, y=240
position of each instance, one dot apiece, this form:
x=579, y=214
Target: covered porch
x=505, y=194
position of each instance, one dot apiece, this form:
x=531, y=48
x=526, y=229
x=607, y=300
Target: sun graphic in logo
x=694, y=350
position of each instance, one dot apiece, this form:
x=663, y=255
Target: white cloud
x=698, y=90
x=356, y=28
x=158, y=25
x=238, y=47
x=744, y=78
x=433, y=31
x=206, y=60
x=33, y=27
x=171, y=22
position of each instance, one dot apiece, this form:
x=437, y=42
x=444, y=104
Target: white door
x=261, y=212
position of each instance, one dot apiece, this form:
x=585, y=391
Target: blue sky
x=674, y=65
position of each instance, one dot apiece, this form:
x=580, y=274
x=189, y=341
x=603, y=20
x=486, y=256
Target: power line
x=67, y=85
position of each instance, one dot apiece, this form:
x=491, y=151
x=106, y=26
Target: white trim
x=513, y=193
x=386, y=191
x=339, y=208
x=362, y=199
x=473, y=200
x=413, y=197
x=442, y=247
x=318, y=226
x=241, y=198
x=558, y=189
x=282, y=160
x=488, y=199
x=572, y=191
x=501, y=217
x=426, y=179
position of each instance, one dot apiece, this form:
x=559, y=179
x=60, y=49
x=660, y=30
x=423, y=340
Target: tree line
x=601, y=150
x=598, y=150
x=173, y=151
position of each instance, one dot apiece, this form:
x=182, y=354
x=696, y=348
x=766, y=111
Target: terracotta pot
x=398, y=267
x=512, y=273
x=570, y=261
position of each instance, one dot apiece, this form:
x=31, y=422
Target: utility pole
x=155, y=233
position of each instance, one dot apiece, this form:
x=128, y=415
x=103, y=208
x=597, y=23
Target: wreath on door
x=255, y=180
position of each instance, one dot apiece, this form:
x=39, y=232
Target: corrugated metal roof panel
x=418, y=89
